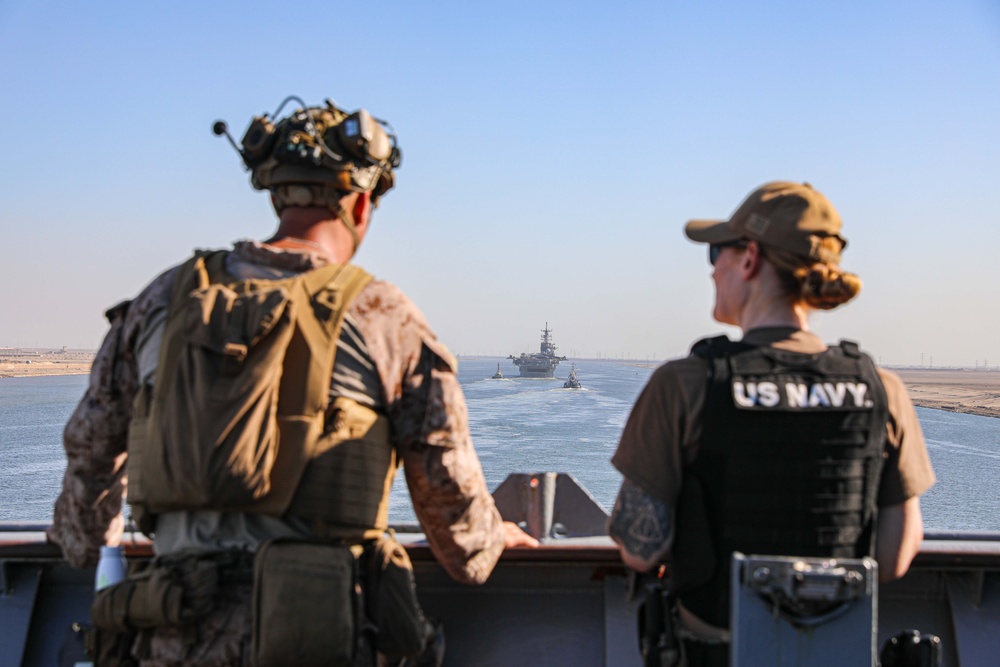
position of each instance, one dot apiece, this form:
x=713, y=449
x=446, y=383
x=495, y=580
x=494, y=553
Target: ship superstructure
x=540, y=364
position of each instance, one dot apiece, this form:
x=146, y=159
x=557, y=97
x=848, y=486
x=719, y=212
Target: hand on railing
x=515, y=537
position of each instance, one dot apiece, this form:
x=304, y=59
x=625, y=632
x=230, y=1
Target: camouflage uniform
x=387, y=356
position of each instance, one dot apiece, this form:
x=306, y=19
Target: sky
x=551, y=155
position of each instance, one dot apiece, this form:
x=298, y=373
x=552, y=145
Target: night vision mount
x=319, y=146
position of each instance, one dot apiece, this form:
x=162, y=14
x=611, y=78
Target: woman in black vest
x=774, y=444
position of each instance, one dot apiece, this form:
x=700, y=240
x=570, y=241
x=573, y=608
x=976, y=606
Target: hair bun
x=825, y=286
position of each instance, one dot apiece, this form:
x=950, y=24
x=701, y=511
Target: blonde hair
x=821, y=285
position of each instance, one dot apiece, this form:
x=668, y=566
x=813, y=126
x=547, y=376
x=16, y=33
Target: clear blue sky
x=552, y=152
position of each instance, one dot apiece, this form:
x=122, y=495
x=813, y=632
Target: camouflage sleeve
x=88, y=510
x=427, y=409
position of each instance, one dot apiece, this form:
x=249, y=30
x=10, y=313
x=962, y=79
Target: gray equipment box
x=803, y=612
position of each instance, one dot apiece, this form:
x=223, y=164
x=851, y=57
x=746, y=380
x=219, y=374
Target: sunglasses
x=716, y=249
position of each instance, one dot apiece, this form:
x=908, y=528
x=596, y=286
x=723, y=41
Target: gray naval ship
x=540, y=364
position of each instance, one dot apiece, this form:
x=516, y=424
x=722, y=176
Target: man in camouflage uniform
x=388, y=359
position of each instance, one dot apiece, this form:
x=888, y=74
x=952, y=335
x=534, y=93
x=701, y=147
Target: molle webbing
x=790, y=457
x=344, y=492
x=242, y=389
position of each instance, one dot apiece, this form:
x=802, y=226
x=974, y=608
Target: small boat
x=572, y=382
x=498, y=375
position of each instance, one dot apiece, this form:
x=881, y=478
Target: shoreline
x=43, y=365
x=963, y=391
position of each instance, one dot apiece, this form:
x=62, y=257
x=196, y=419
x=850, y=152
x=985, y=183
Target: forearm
x=445, y=478
x=88, y=511
x=900, y=533
x=642, y=526
x=456, y=510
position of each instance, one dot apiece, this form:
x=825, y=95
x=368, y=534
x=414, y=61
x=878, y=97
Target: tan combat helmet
x=317, y=154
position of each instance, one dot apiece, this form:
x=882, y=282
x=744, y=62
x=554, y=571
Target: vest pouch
x=241, y=389
x=178, y=593
x=219, y=434
x=305, y=601
x=392, y=601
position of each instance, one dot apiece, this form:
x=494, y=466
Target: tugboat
x=572, y=382
x=498, y=375
x=540, y=364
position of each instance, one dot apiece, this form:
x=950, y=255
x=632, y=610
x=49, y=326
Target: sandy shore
x=969, y=391
x=73, y=362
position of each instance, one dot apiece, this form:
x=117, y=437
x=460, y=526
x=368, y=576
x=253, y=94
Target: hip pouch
x=172, y=593
x=392, y=601
x=178, y=593
x=305, y=602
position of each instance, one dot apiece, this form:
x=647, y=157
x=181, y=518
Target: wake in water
x=517, y=425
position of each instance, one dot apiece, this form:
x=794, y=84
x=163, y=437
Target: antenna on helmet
x=219, y=128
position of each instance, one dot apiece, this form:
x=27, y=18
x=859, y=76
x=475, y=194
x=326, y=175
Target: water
x=33, y=412
x=965, y=452
x=517, y=425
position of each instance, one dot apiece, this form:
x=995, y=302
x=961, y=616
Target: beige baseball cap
x=783, y=215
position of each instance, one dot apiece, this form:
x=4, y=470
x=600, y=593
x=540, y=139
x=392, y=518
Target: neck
x=767, y=304
x=774, y=312
x=316, y=230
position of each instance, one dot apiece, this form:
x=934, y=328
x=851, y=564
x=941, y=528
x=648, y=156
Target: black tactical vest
x=789, y=463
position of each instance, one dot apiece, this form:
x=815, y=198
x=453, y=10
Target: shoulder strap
x=718, y=351
x=710, y=348
x=192, y=274
x=324, y=296
x=330, y=290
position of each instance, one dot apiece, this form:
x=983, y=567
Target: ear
x=362, y=210
x=751, y=262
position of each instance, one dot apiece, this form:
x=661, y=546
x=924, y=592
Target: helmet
x=319, y=146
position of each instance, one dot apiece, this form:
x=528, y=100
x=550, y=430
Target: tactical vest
x=240, y=417
x=789, y=464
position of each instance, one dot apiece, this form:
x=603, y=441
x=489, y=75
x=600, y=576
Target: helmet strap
x=320, y=195
x=348, y=219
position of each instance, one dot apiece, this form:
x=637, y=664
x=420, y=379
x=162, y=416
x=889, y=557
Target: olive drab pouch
x=392, y=605
x=241, y=388
x=170, y=592
x=306, y=603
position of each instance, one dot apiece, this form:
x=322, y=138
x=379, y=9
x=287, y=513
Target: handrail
x=940, y=549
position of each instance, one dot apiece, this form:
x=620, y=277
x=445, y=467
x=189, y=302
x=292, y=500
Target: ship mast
x=547, y=346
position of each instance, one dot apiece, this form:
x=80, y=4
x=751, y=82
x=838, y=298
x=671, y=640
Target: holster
x=401, y=629
x=658, y=641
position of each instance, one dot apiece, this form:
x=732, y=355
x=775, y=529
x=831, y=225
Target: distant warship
x=539, y=364
x=572, y=382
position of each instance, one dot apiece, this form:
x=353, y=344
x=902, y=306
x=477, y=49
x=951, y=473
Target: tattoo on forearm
x=640, y=523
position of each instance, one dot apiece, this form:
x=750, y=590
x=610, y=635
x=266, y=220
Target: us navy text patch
x=799, y=394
